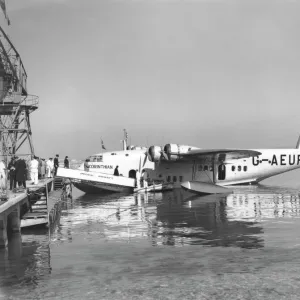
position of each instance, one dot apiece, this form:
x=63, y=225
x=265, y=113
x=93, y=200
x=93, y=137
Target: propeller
x=159, y=154
x=163, y=156
x=144, y=161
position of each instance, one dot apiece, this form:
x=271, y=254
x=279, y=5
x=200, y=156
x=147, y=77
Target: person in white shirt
x=34, y=170
x=145, y=177
x=50, y=166
x=2, y=175
x=138, y=179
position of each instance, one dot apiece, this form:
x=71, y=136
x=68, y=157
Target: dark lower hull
x=89, y=189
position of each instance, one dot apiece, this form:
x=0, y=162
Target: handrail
x=13, y=99
x=30, y=100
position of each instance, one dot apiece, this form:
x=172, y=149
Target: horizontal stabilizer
x=205, y=188
x=298, y=143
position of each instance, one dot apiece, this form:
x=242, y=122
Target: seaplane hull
x=90, y=187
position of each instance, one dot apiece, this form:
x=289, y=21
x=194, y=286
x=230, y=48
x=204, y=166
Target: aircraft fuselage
x=228, y=172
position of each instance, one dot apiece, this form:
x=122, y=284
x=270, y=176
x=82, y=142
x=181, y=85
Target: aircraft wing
x=222, y=154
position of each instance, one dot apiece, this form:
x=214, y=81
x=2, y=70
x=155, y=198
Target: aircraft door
x=221, y=172
x=132, y=174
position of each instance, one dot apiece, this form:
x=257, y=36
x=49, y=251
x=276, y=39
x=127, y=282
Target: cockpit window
x=96, y=158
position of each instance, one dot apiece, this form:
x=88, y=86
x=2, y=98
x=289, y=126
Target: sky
x=212, y=74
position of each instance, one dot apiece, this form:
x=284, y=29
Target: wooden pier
x=38, y=200
x=36, y=205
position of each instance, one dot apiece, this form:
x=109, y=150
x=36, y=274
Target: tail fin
x=298, y=143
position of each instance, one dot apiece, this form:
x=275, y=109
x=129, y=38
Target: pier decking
x=39, y=208
x=35, y=200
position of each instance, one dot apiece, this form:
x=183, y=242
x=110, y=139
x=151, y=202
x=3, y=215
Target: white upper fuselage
x=235, y=171
x=127, y=160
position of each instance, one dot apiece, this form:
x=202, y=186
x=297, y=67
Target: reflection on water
x=27, y=259
x=257, y=207
x=251, y=218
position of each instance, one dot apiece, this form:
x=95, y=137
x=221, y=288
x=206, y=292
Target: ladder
x=58, y=183
x=38, y=213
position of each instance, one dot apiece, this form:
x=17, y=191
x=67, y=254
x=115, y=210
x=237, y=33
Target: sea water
x=174, y=245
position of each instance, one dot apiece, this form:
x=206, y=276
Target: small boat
x=161, y=187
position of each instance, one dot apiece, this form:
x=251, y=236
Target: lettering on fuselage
x=101, y=166
x=279, y=160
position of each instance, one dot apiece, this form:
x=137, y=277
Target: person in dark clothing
x=116, y=172
x=12, y=174
x=56, y=164
x=66, y=163
x=86, y=165
x=21, y=172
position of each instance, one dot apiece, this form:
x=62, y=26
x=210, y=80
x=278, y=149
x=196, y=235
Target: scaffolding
x=16, y=104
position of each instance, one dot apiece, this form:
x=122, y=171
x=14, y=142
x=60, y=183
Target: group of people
x=18, y=170
x=40, y=168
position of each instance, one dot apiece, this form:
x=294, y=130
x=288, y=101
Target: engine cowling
x=154, y=153
x=173, y=151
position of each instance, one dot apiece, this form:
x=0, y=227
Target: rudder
x=298, y=143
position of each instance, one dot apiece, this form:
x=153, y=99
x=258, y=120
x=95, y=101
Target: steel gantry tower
x=16, y=104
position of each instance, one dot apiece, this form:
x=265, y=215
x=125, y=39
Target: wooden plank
x=29, y=214
x=34, y=222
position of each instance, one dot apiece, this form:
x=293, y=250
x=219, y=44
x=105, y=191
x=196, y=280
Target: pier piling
x=13, y=220
x=3, y=231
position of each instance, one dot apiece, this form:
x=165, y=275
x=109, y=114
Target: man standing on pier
x=12, y=174
x=43, y=168
x=2, y=176
x=21, y=171
x=34, y=170
x=56, y=164
x=49, y=165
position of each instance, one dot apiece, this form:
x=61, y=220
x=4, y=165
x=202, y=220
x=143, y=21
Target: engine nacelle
x=173, y=151
x=154, y=153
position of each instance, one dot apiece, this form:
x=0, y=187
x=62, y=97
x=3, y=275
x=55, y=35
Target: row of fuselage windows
x=239, y=168
x=233, y=168
x=98, y=158
x=169, y=178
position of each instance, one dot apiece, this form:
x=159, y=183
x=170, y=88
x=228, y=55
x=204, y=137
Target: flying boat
x=199, y=170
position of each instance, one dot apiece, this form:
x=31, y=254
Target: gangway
x=97, y=179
